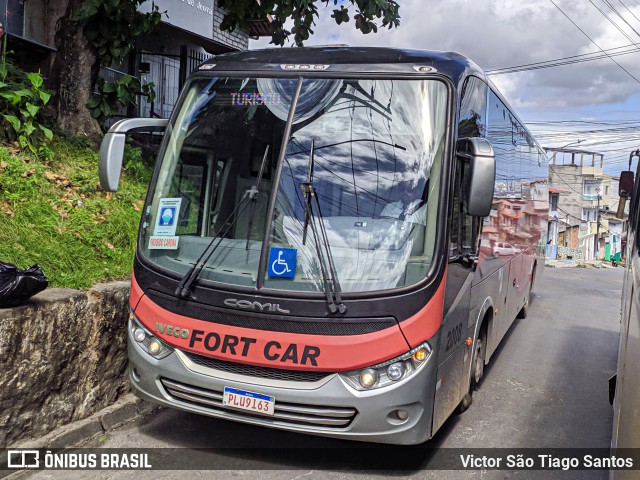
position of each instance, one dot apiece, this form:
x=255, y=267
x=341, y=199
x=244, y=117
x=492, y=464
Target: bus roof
x=348, y=60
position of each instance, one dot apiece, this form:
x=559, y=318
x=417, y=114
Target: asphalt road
x=545, y=388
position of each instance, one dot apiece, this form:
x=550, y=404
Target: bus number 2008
x=453, y=336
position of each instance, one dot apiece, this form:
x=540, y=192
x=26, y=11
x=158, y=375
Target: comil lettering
x=249, y=305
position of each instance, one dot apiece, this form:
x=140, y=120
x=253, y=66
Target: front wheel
x=477, y=365
x=477, y=370
x=524, y=311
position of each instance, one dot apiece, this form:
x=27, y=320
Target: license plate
x=243, y=400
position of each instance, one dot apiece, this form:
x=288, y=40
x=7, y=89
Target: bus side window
x=464, y=227
x=634, y=208
x=472, y=123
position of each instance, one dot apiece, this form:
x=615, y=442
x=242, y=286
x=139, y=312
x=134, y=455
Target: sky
x=591, y=105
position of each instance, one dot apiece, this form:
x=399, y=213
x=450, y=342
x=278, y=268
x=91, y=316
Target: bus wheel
x=524, y=311
x=465, y=403
x=477, y=365
x=477, y=370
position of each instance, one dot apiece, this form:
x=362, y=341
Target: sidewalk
x=579, y=263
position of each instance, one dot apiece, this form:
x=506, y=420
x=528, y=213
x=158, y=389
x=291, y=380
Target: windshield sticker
x=163, y=243
x=167, y=219
x=282, y=262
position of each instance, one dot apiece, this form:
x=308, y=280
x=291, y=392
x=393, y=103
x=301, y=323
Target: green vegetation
x=112, y=28
x=53, y=212
x=21, y=99
x=116, y=96
x=303, y=14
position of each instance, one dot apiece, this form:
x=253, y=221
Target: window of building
x=12, y=16
x=589, y=214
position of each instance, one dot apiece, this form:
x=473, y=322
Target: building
x=616, y=238
x=30, y=28
x=553, y=219
x=188, y=34
x=586, y=193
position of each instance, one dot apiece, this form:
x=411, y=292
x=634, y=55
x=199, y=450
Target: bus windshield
x=356, y=191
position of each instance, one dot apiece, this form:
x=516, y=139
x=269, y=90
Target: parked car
x=503, y=248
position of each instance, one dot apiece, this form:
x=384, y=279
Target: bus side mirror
x=625, y=187
x=112, y=148
x=482, y=173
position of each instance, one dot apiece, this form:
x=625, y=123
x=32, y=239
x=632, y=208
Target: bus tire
x=465, y=403
x=478, y=361
x=524, y=311
x=477, y=369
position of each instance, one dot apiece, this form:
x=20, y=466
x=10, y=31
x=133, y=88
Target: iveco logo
x=248, y=305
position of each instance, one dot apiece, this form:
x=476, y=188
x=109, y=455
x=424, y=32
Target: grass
x=54, y=213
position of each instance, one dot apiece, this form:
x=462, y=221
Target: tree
x=240, y=12
x=92, y=34
x=73, y=74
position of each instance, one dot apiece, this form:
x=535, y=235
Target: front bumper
x=326, y=407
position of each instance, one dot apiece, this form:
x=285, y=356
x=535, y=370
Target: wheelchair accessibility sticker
x=282, y=262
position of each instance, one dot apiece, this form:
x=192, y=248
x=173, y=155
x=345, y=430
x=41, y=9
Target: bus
x=319, y=250
x=624, y=388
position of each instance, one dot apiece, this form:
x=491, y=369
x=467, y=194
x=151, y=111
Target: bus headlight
x=368, y=377
x=389, y=372
x=146, y=340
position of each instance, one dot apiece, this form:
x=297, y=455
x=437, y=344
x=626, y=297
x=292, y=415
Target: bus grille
x=285, y=413
x=273, y=323
x=254, y=371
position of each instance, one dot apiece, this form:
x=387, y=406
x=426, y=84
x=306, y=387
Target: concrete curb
x=578, y=264
x=125, y=410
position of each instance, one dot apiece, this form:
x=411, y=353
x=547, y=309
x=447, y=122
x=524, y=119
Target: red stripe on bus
x=425, y=323
x=135, y=293
x=291, y=351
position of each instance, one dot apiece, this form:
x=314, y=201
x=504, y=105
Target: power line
x=629, y=10
x=621, y=17
x=592, y=41
x=585, y=57
x=611, y=21
x=593, y=122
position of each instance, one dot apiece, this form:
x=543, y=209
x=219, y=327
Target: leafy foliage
x=21, y=99
x=113, y=25
x=114, y=96
x=240, y=12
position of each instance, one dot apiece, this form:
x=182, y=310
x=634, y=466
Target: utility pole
x=595, y=240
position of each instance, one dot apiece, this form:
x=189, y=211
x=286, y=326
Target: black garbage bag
x=17, y=286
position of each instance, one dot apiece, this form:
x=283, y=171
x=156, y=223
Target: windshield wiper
x=323, y=249
x=194, y=272
x=356, y=140
x=251, y=196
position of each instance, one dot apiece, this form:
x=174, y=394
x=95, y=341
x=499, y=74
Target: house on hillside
x=587, y=191
x=554, y=218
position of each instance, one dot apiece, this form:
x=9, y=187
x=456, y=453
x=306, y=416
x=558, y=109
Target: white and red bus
x=319, y=249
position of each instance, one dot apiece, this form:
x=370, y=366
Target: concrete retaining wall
x=62, y=358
